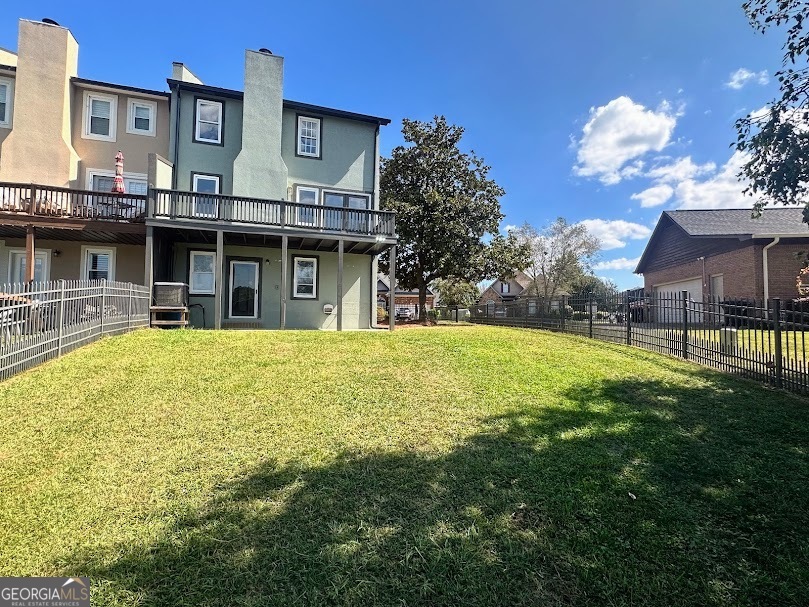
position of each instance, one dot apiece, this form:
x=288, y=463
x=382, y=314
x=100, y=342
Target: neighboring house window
x=17, y=265
x=340, y=220
x=208, y=127
x=244, y=277
x=6, y=100
x=98, y=264
x=141, y=117
x=101, y=181
x=305, y=278
x=307, y=195
x=505, y=288
x=309, y=137
x=205, y=206
x=202, y=274
x=100, y=116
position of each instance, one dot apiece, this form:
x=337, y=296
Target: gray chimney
x=259, y=170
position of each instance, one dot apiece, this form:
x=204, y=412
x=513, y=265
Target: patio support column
x=30, y=253
x=340, y=247
x=284, y=255
x=148, y=270
x=218, y=290
x=392, y=290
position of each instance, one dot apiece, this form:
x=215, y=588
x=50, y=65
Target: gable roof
x=730, y=224
x=726, y=223
x=383, y=286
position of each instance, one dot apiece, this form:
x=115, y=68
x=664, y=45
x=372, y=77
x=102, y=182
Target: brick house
x=725, y=253
x=502, y=290
x=404, y=297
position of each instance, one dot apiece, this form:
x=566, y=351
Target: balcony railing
x=175, y=204
x=48, y=201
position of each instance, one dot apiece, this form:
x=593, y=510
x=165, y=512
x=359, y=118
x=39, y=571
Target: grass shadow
x=630, y=493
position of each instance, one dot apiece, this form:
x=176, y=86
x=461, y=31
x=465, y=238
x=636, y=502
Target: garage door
x=668, y=302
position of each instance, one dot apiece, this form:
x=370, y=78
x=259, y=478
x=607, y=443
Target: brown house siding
x=673, y=247
x=742, y=270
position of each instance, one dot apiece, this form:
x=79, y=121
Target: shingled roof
x=739, y=222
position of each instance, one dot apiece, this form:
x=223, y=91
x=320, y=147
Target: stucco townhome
x=267, y=208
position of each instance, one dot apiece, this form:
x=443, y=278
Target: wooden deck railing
x=174, y=204
x=49, y=201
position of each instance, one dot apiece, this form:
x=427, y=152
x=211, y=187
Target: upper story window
x=141, y=118
x=505, y=287
x=100, y=115
x=308, y=137
x=208, y=122
x=6, y=99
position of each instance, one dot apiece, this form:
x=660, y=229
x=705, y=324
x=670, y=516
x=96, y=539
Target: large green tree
x=776, y=140
x=447, y=210
x=454, y=292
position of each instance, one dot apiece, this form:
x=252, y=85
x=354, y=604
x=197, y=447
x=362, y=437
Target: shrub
x=432, y=314
x=381, y=314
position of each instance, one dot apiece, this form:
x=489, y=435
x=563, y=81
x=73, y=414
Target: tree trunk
x=422, y=299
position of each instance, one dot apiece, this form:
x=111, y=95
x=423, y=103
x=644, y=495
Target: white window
x=305, y=278
x=100, y=180
x=17, y=265
x=205, y=206
x=345, y=220
x=6, y=101
x=100, y=116
x=141, y=118
x=307, y=195
x=244, y=289
x=505, y=287
x=97, y=263
x=208, y=127
x=202, y=273
x=309, y=137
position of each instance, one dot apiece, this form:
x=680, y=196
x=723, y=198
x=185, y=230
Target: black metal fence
x=757, y=339
x=43, y=320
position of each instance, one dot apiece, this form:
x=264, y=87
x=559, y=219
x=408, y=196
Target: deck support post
x=30, y=253
x=148, y=272
x=284, y=269
x=392, y=290
x=340, y=248
x=218, y=289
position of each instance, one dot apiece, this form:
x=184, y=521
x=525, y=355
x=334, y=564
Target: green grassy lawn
x=444, y=466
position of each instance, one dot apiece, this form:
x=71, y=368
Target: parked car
x=404, y=314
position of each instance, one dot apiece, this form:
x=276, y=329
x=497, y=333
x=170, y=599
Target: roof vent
x=50, y=21
x=266, y=51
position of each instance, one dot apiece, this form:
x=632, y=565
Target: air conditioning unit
x=170, y=294
x=328, y=309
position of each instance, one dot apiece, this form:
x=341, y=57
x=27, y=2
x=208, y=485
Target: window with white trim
x=101, y=181
x=309, y=136
x=6, y=100
x=98, y=264
x=202, y=273
x=205, y=206
x=17, y=265
x=505, y=287
x=307, y=195
x=304, y=278
x=100, y=116
x=141, y=117
x=208, y=122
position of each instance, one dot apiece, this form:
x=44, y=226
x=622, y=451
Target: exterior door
x=668, y=303
x=244, y=289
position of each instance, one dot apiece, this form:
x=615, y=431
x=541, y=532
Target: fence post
x=590, y=314
x=129, y=309
x=562, y=313
x=103, y=302
x=684, y=295
x=61, y=328
x=779, y=362
x=628, y=317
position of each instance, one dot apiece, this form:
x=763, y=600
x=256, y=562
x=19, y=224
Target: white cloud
x=654, y=196
x=679, y=170
x=622, y=263
x=619, y=132
x=741, y=77
x=510, y=227
x=720, y=191
x=613, y=234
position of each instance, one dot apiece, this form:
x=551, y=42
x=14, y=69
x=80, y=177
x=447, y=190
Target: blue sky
x=608, y=113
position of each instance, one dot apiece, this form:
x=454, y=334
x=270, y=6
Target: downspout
x=765, y=263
